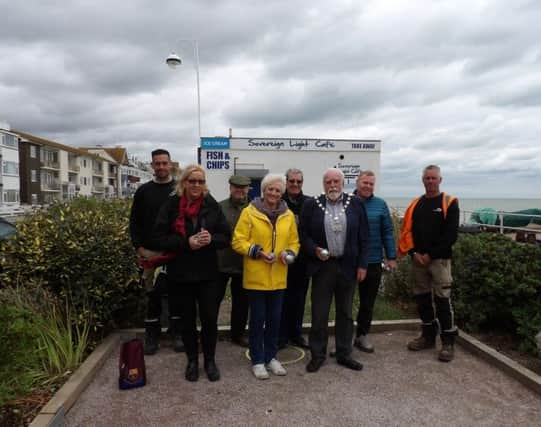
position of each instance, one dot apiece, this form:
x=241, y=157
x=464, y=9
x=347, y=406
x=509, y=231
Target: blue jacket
x=380, y=225
x=312, y=230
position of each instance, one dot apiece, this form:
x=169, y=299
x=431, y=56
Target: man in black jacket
x=147, y=201
x=334, y=236
x=297, y=279
x=433, y=219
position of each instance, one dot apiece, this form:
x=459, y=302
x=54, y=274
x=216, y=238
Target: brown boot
x=447, y=353
x=421, y=343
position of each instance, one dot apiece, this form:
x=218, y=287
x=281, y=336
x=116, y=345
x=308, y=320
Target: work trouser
x=432, y=289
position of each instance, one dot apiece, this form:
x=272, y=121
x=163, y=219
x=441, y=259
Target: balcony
x=97, y=188
x=74, y=168
x=97, y=172
x=50, y=186
x=50, y=164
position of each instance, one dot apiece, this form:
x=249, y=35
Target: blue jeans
x=265, y=313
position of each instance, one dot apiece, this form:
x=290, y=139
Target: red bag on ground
x=132, y=365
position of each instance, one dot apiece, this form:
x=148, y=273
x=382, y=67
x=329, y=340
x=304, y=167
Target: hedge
x=497, y=286
x=79, y=249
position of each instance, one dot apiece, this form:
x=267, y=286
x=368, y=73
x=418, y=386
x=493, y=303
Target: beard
x=333, y=195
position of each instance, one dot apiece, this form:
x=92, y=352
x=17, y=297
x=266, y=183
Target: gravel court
x=397, y=387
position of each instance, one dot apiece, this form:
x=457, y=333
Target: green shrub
x=42, y=344
x=81, y=248
x=19, y=360
x=497, y=285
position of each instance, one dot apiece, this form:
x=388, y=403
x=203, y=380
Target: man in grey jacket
x=230, y=263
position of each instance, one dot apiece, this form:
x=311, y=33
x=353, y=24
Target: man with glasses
x=334, y=235
x=147, y=201
x=230, y=262
x=297, y=279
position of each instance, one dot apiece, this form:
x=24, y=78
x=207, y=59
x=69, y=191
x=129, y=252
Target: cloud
x=453, y=83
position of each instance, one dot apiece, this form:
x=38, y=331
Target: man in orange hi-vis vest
x=428, y=233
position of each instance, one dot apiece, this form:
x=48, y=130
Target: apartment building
x=35, y=170
x=9, y=168
x=61, y=173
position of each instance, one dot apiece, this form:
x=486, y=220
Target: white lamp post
x=173, y=61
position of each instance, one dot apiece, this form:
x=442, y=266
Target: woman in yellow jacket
x=266, y=235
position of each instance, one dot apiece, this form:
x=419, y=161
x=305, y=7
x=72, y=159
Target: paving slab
x=397, y=387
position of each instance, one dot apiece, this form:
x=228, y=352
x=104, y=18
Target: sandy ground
x=396, y=388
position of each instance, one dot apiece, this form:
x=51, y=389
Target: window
x=34, y=199
x=33, y=151
x=11, y=196
x=84, y=163
x=34, y=175
x=10, y=168
x=9, y=140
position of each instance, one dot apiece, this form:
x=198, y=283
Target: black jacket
x=147, y=201
x=191, y=265
x=313, y=234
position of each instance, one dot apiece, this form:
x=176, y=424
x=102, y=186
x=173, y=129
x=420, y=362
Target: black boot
x=178, y=344
x=152, y=336
x=213, y=373
x=192, y=370
x=447, y=352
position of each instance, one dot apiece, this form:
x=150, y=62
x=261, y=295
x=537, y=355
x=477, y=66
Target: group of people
x=192, y=246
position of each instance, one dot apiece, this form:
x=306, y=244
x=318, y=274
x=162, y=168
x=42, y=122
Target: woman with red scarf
x=190, y=227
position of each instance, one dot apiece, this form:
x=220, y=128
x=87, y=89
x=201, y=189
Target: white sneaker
x=260, y=372
x=276, y=367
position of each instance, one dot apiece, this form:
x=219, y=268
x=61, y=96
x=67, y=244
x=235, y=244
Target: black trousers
x=239, y=303
x=294, y=302
x=329, y=281
x=368, y=291
x=186, y=300
x=154, y=298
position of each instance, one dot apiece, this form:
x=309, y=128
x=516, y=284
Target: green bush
x=81, y=248
x=19, y=360
x=42, y=344
x=497, y=286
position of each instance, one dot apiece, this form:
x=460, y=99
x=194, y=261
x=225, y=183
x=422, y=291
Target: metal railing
x=500, y=226
x=50, y=164
x=50, y=186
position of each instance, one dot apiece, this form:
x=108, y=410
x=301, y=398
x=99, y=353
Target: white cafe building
x=222, y=157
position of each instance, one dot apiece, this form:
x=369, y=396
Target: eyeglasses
x=196, y=181
x=295, y=181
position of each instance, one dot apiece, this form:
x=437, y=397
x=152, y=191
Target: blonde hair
x=187, y=171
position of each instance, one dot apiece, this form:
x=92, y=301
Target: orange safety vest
x=405, y=243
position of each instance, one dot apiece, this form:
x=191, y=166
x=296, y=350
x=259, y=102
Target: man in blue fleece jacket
x=381, y=240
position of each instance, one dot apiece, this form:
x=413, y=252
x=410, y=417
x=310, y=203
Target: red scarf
x=178, y=227
x=184, y=210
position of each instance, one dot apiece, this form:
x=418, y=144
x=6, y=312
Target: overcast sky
x=456, y=83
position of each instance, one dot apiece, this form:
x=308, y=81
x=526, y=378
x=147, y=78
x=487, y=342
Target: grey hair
x=334, y=170
x=271, y=178
x=294, y=171
x=432, y=167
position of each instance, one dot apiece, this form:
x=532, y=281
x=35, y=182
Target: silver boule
x=324, y=253
x=290, y=258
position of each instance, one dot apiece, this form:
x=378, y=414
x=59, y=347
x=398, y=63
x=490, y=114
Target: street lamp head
x=173, y=60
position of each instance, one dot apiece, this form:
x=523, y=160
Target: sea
x=468, y=205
